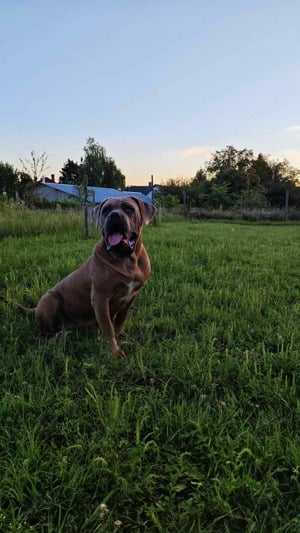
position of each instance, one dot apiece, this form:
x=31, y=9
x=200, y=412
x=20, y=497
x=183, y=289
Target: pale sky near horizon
x=160, y=84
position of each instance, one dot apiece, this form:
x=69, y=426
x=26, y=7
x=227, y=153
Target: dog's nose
x=114, y=215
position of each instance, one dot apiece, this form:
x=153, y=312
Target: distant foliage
x=8, y=180
x=253, y=198
x=14, y=184
x=43, y=203
x=36, y=166
x=231, y=179
x=167, y=200
x=100, y=169
x=71, y=173
x=236, y=178
x=176, y=188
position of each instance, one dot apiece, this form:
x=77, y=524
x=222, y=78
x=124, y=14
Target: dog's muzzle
x=117, y=234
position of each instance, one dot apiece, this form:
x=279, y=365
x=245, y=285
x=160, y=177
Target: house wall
x=52, y=195
x=61, y=192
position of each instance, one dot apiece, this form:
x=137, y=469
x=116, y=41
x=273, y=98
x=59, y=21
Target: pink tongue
x=114, y=239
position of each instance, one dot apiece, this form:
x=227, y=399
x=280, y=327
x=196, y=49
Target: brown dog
x=105, y=286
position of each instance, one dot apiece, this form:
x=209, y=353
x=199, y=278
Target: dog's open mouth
x=120, y=243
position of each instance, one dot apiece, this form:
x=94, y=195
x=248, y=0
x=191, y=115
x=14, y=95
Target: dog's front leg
x=119, y=320
x=101, y=309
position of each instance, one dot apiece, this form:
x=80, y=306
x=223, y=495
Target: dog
x=104, y=287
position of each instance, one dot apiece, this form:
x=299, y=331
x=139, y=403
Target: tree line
x=100, y=169
x=231, y=178
x=236, y=178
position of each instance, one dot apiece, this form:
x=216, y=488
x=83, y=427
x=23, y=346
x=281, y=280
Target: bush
x=252, y=215
x=252, y=199
x=62, y=204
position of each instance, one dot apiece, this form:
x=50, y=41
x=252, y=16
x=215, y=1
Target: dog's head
x=121, y=220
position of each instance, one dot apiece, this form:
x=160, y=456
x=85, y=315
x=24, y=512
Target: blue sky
x=160, y=84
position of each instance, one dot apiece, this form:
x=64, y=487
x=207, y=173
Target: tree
x=283, y=180
x=100, y=169
x=167, y=200
x=175, y=187
x=219, y=196
x=8, y=180
x=230, y=158
x=36, y=166
x=14, y=184
x=24, y=186
x=233, y=168
x=94, y=162
x=276, y=177
x=199, y=189
x=253, y=199
x=263, y=170
x=113, y=177
x=253, y=180
x=200, y=176
x=71, y=173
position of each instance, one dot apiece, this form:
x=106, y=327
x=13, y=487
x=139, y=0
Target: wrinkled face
x=121, y=223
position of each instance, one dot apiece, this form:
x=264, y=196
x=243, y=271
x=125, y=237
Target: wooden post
x=85, y=205
x=286, y=205
x=151, y=187
x=159, y=213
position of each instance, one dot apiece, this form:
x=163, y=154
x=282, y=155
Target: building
x=147, y=190
x=59, y=192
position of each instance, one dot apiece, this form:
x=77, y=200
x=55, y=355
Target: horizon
x=161, y=86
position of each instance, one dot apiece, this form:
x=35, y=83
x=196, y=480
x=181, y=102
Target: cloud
x=200, y=153
x=293, y=129
x=205, y=151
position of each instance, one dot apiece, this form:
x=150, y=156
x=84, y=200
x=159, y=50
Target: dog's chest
x=132, y=287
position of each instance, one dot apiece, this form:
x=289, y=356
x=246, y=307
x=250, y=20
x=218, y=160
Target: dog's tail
x=20, y=307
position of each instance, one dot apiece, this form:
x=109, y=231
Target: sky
x=160, y=84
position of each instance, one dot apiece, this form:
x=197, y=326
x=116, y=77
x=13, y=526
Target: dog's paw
x=116, y=350
x=121, y=354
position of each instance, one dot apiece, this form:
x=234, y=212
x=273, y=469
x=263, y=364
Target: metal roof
x=95, y=194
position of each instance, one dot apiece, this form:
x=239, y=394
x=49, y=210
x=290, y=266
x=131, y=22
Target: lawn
x=197, y=429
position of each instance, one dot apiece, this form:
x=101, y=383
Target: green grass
x=198, y=429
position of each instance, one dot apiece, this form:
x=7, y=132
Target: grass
x=198, y=429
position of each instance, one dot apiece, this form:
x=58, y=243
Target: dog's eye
x=105, y=210
x=128, y=209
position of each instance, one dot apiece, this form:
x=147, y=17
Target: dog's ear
x=96, y=212
x=147, y=210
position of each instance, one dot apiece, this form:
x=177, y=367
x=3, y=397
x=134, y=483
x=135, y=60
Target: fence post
x=85, y=205
x=286, y=205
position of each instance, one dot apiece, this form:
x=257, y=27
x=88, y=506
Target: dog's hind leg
x=48, y=313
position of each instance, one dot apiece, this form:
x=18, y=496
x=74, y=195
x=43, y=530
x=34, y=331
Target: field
x=197, y=430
